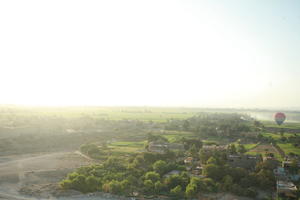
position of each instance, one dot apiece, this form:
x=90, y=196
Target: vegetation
x=150, y=173
x=119, y=139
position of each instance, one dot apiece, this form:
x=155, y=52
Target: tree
x=208, y=185
x=186, y=125
x=173, y=181
x=66, y=184
x=159, y=187
x=213, y=171
x=265, y=179
x=126, y=187
x=153, y=176
x=160, y=167
x=115, y=187
x=114, y=164
x=149, y=186
x=227, y=183
x=232, y=149
x=79, y=183
x=191, y=190
x=237, y=189
x=212, y=160
x=92, y=183
x=241, y=148
x=193, y=151
x=203, y=156
x=251, y=192
x=177, y=192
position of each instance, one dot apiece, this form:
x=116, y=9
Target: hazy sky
x=226, y=53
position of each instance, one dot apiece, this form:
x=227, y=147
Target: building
x=288, y=163
x=188, y=160
x=286, y=188
x=243, y=161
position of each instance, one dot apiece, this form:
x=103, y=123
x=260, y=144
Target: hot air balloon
x=279, y=118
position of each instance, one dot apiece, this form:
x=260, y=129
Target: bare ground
x=37, y=175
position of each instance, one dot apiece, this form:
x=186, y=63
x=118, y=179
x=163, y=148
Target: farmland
x=123, y=132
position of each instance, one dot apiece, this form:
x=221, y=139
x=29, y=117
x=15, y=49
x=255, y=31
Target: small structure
x=197, y=170
x=173, y=172
x=188, y=160
x=288, y=163
x=287, y=189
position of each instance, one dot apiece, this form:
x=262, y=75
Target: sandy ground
x=36, y=175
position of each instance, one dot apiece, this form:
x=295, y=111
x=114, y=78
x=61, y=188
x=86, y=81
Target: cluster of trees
x=214, y=124
x=148, y=174
x=142, y=173
x=238, y=180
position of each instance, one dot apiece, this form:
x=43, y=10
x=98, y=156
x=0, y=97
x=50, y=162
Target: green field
x=289, y=148
x=250, y=146
x=142, y=113
x=124, y=148
x=290, y=125
x=128, y=144
x=286, y=147
x=175, y=136
x=276, y=136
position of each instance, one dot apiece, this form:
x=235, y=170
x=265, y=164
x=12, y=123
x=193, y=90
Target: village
x=285, y=172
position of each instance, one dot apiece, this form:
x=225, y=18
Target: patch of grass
x=276, y=136
x=210, y=142
x=175, y=136
x=289, y=148
x=290, y=125
x=252, y=153
x=250, y=146
x=128, y=144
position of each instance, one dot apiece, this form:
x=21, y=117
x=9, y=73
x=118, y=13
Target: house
x=289, y=163
x=188, y=160
x=286, y=188
x=243, y=161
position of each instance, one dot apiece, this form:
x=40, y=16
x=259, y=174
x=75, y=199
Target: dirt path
x=83, y=155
